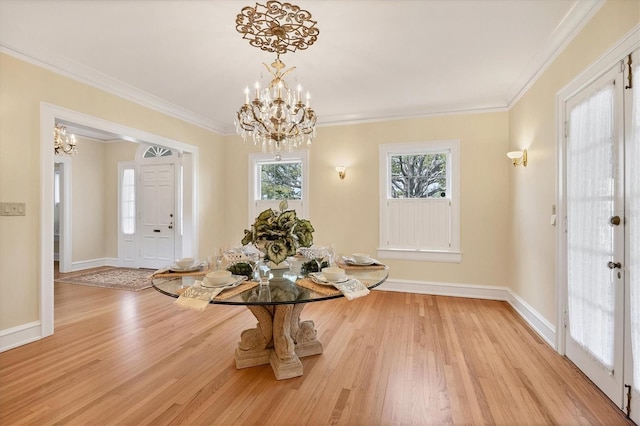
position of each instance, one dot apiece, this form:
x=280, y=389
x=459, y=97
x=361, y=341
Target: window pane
x=157, y=151
x=419, y=175
x=128, y=202
x=281, y=181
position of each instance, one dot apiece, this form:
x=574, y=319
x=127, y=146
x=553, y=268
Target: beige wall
x=88, y=210
x=94, y=196
x=532, y=123
x=344, y=213
x=506, y=238
x=22, y=88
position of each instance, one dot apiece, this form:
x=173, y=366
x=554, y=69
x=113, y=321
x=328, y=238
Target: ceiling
x=373, y=60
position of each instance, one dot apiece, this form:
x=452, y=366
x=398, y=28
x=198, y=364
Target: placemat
x=347, y=267
x=227, y=294
x=327, y=290
x=164, y=273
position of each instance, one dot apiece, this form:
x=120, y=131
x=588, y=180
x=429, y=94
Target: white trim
x=420, y=255
x=81, y=265
x=258, y=157
x=20, y=335
x=66, y=226
x=93, y=78
x=453, y=177
x=536, y=321
x=48, y=115
x=47, y=121
x=570, y=26
x=617, y=52
x=628, y=43
x=354, y=119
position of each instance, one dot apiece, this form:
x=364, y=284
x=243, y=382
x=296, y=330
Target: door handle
x=156, y=230
x=615, y=220
x=614, y=265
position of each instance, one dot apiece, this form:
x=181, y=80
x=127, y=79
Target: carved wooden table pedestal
x=279, y=339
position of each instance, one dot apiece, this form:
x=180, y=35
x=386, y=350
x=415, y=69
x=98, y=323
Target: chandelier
x=276, y=118
x=62, y=144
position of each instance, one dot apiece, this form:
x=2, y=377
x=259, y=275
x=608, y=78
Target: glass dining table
x=280, y=338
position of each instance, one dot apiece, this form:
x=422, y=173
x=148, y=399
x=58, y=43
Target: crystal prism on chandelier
x=63, y=144
x=277, y=119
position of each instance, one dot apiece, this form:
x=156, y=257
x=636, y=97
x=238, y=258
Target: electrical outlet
x=12, y=209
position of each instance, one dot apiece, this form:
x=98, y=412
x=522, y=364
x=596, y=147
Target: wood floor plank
x=134, y=358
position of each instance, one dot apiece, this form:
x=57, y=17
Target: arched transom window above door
x=154, y=151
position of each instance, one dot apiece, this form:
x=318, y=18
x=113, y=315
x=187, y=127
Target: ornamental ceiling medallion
x=277, y=119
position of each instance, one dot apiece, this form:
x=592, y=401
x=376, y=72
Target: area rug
x=116, y=278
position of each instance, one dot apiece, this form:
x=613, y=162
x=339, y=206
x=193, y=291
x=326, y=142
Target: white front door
x=157, y=215
x=595, y=233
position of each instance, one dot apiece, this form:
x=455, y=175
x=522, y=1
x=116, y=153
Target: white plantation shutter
x=418, y=224
x=426, y=229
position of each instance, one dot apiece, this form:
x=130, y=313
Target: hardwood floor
x=132, y=358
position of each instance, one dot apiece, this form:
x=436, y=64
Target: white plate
x=176, y=268
x=352, y=261
x=232, y=281
x=319, y=278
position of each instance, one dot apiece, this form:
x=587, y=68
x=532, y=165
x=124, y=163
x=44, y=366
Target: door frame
x=49, y=113
x=66, y=230
x=615, y=54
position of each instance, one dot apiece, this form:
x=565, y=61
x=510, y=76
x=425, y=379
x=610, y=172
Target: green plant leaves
x=279, y=234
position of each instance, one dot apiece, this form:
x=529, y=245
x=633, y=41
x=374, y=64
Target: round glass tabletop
x=283, y=289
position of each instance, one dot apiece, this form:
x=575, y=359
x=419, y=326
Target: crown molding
x=93, y=78
x=573, y=22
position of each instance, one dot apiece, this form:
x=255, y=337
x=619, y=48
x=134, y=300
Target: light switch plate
x=12, y=209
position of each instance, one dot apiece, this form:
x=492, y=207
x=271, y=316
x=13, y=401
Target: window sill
x=421, y=255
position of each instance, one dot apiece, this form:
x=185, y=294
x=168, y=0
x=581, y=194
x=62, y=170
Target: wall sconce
x=518, y=157
x=342, y=171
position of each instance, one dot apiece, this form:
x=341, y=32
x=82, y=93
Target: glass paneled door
x=595, y=233
x=603, y=233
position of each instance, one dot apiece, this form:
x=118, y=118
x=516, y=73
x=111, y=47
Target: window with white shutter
x=420, y=201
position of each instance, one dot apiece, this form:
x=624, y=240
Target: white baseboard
x=20, y=335
x=541, y=325
x=31, y=332
x=93, y=263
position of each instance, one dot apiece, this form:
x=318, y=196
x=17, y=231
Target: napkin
x=162, y=271
x=197, y=297
x=352, y=289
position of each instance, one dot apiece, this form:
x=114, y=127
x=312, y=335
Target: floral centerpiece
x=278, y=234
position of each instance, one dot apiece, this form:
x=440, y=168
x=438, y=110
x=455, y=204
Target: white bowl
x=185, y=262
x=333, y=273
x=218, y=277
x=361, y=257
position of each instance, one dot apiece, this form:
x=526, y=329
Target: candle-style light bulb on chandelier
x=277, y=119
x=63, y=144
